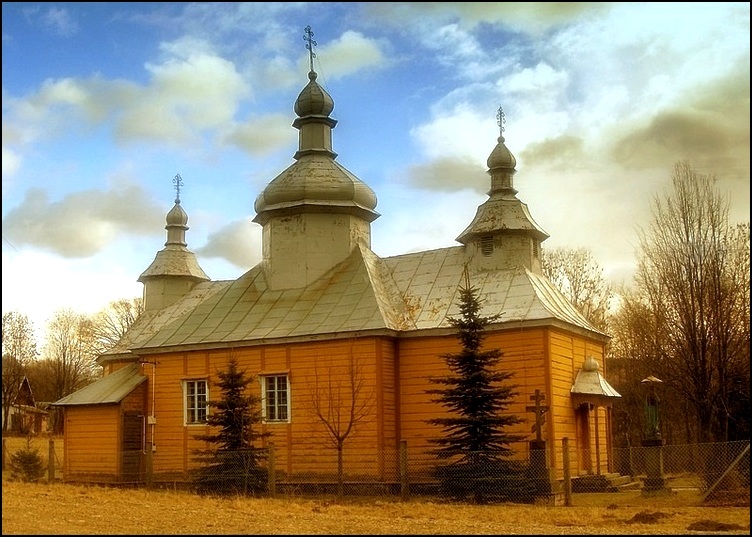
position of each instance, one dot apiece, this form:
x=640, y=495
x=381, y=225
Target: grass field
x=75, y=509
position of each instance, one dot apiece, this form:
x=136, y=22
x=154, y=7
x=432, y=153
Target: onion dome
x=501, y=157
x=313, y=100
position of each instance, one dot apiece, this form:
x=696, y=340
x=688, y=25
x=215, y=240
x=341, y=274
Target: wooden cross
x=539, y=411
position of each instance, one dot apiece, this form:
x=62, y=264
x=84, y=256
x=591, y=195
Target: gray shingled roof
x=109, y=389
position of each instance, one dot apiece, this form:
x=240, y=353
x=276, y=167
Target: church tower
x=503, y=235
x=314, y=213
x=175, y=270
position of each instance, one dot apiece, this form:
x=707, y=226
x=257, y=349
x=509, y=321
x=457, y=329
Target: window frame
x=192, y=407
x=277, y=405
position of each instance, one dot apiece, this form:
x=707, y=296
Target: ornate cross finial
x=178, y=182
x=310, y=43
x=501, y=120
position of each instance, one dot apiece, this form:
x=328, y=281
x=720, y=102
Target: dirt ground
x=58, y=509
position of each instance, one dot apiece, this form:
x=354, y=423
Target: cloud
x=565, y=151
x=187, y=95
x=60, y=21
x=352, y=52
x=530, y=17
x=438, y=137
x=190, y=92
x=262, y=135
x=710, y=129
x=11, y=162
x=83, y=223
x=238, y=242
x=449, y=175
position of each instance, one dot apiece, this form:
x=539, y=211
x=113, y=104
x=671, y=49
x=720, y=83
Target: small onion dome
x=590, y=364
x=501, y=157
x=177, y=216
x=313, y=100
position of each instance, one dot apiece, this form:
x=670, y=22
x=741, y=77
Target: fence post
x=272, y=472
x=404, y=482
x=51, y=462
x=567, y=475
x=149, y=466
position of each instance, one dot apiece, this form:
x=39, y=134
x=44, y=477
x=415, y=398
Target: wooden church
x=323, y=322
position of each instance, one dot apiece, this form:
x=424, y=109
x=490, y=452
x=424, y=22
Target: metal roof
x=589, y=382
x=109, y=389
x=403, y=293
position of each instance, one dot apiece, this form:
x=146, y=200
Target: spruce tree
x=27, y=464
x=233, y=465
x=475, y=448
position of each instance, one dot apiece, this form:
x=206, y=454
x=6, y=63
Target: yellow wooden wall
x=567, y=354
x=395, y=372
x=420, y=358
x=92, y=443
x=93, y=438
x=302, y=445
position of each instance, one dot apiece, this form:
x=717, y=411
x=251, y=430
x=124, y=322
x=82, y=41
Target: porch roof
x=590, y=386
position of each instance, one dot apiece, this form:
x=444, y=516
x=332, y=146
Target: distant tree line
x=67, y=360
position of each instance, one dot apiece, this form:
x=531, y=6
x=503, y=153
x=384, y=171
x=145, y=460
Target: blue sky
x=104, y=103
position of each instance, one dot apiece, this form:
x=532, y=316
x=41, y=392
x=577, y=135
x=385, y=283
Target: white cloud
x=83, y=223
x=238, y=242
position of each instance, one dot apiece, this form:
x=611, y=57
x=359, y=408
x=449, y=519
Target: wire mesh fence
x=713, y=470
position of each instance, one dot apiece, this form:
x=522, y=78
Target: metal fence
x=702, y=471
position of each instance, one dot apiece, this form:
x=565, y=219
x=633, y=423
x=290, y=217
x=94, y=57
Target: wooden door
x=131, y=470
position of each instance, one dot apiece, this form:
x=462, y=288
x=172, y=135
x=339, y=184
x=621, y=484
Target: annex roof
x=109, y=389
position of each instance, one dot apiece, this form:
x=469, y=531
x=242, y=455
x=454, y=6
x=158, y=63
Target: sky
x=104, y=103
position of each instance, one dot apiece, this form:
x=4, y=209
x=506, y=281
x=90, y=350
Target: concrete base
x=665, y=491
x=653, y=483
x=554, y=499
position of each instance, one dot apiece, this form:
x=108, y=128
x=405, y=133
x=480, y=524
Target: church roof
x=400, y=294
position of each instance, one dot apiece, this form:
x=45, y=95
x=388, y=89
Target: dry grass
x=75, y=509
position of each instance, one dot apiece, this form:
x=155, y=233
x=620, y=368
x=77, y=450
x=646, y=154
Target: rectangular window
x=276, y=397
x=196, y=396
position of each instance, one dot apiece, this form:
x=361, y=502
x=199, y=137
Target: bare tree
x=693, y=281
x=341, y=399
x=111, y=324
x=578, y=275
x=70, y=352
x=634, y=354
x=19, y=350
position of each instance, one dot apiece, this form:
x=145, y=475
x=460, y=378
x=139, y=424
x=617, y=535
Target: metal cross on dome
x=500, y=120
x=310, y=43
x=178, y=182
